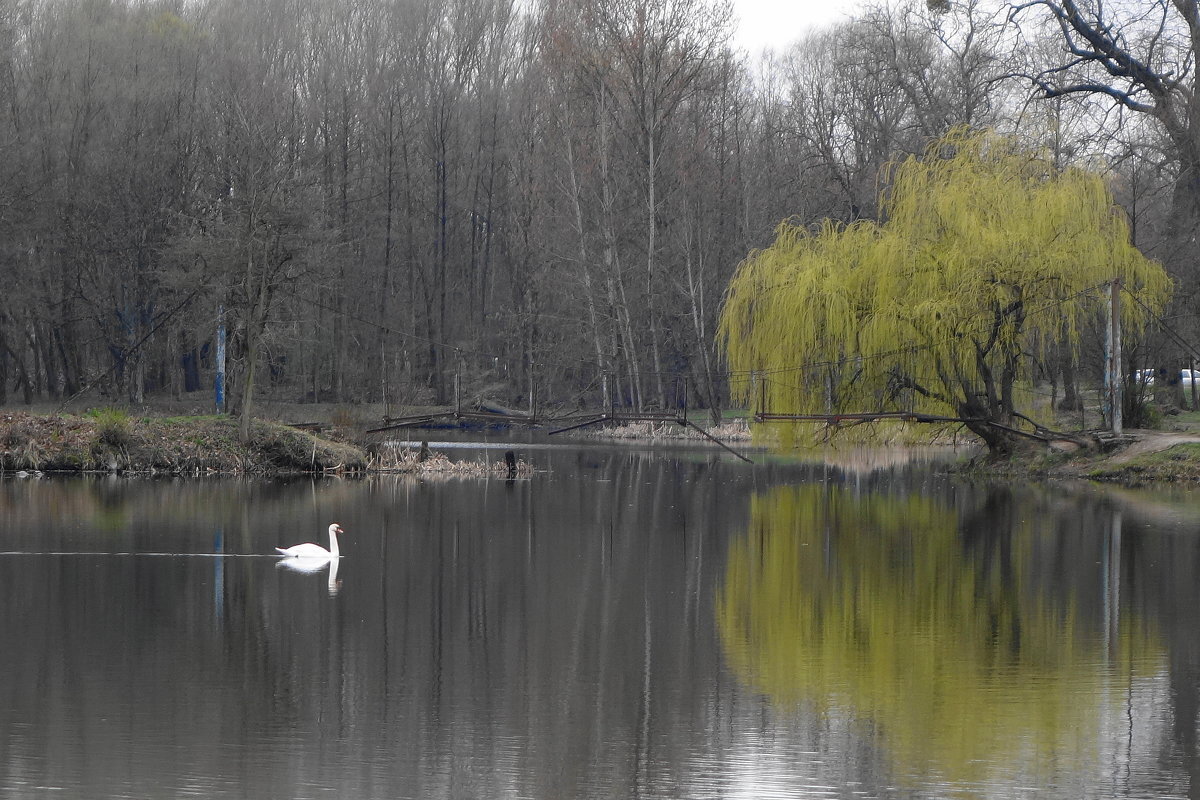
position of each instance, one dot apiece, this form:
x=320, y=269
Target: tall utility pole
x=1113, y=384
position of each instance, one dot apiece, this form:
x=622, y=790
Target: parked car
x=1146, y=377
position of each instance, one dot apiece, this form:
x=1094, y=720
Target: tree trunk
x=248, y=390
x=1071, y=399
x=584, y=258
x=3, y=368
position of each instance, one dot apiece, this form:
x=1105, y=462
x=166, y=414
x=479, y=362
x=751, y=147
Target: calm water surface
x=625, y=624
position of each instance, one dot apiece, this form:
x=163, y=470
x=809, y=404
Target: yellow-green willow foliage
x=987, y=255
x=873, y=607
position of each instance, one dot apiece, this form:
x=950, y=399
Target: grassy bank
x=111, y=440
x=1138, y=458
x=1177, y=464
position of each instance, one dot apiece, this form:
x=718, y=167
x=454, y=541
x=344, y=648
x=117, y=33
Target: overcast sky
x=777, y=23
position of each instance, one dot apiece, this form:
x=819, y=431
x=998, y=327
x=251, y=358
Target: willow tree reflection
x=959, y=659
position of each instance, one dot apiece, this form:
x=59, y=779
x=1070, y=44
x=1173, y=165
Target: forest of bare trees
x=377, y=195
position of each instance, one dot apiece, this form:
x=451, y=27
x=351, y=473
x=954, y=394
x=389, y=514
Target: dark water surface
x=626, y=624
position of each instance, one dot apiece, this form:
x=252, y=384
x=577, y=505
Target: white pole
x=220, y=384
x=1113, y=385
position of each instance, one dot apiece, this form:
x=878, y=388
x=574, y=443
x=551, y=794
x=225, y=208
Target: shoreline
x=108, y=441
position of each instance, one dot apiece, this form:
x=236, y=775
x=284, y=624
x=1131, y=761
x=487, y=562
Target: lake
x=628, y=623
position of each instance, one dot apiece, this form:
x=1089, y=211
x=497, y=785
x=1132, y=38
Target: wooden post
x=1113, y=383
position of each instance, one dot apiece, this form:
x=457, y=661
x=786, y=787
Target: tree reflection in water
x=960, y=660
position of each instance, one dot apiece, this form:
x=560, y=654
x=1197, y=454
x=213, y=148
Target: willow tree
x=988, y=256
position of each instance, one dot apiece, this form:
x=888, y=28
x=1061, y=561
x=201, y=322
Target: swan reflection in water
x=309, y=564
x=311, y=557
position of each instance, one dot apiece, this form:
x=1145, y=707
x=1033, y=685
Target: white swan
x=310, y=550
x=305, y=564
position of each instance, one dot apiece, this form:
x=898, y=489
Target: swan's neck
x=333, y=548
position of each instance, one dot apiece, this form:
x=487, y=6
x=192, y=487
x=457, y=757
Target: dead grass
x=180, y=445
x=114, y=442
x=408, y=460
x=736, y=430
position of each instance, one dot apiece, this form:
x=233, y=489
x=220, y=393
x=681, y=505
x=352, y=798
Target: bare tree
x=1139, y=57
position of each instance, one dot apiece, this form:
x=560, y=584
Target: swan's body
x=306, y=564
x=310, y=550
